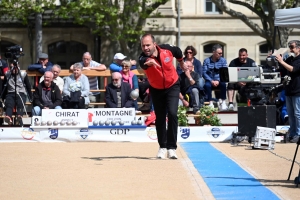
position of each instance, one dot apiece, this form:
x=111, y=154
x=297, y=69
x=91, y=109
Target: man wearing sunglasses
x=211, y=74
x=292, y=90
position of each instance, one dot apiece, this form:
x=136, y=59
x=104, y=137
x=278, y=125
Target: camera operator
x=292, y=90
x=16, y=82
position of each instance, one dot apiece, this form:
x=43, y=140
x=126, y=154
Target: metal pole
x=178, y=23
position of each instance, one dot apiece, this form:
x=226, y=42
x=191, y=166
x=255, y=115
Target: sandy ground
x=111, y=170
x=96, y=170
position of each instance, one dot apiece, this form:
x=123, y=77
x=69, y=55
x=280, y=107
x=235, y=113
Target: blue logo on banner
x=82, y=131
x=215, y=132
x=185, y=133
x=167, y=59
x=53, y=133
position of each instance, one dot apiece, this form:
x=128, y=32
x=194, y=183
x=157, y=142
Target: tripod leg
x=293, y=161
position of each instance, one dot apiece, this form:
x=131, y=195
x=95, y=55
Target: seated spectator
x=76, y=89
x=47, y=95
x=116, y=66
x=56, y=79
x=211, y=66
x=190, y=53
x=42, y=65
x=241, y=61
x=130, y=77
x=117, y=93
x=189, y=86
x=21, y=87
x=89, y=64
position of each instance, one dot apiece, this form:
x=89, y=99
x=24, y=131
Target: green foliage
x=182, y=116
x=208, y=116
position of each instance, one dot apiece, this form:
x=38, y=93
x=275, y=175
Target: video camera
x=272, y=62
x=13, y=53
x=260, y=85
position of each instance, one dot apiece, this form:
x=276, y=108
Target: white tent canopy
x=287, y=17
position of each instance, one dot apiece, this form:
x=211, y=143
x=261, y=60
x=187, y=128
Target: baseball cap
x=43, y=56
x=119, y=56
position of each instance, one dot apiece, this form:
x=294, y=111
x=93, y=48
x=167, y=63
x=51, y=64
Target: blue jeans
x=293, y=110
x=37, y=111
x=208, y=88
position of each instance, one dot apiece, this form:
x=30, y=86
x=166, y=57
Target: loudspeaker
x=249, y=117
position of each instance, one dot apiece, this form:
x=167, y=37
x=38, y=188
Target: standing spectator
x=189, y=55
x=117, y=93
x=116, y=66
x=241, y=61
x=157, y=62
x=42, y=65
x=47, y=95
x=292, y=90
x=130, y=77
x=76, y=89
x=89, y=64
x=17, y=86
x=56, y=79
x=211, y=74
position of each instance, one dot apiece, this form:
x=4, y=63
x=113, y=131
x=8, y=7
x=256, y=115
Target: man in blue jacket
x=211, y=74
x=42, y=65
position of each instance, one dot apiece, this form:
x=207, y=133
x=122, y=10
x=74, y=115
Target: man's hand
x=152, y=62
x=133, y=62
x=215, y=83
x=185, y=103
x=183, y=66
x=187, y=73
x=279, y=58
x=46, y=108
x=242, y=84
x=86, y=68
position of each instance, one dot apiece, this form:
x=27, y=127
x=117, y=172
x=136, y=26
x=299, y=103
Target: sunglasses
x=115, y=79
x=291, y=47
x=219, y=53
x=125, y=66
x=189, y=52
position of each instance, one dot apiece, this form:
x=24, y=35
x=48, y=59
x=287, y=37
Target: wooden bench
x=91, y=73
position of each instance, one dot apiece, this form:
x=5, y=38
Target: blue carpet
x=224, y=177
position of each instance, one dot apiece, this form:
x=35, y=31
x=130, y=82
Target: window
x=207, y=49
x=263, y=53
x=66, y=53
x=211, y=8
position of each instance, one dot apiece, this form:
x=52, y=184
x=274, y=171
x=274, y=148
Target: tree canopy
x=118, y=20
x=265, y=10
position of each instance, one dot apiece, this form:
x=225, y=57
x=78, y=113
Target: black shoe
x=145, y=108
x=19, y=121
x=8, y=120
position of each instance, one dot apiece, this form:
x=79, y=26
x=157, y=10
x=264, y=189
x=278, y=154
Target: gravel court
x=96, y=170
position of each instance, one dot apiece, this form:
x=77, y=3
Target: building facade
x=201, y=24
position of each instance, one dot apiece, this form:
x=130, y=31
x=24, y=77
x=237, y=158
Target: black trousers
x=166, y=101
x=10, y=103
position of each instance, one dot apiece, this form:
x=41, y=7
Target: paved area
x=111, y=170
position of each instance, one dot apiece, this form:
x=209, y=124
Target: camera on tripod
x=13, y=53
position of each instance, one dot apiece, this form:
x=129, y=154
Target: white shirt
x=58, y=81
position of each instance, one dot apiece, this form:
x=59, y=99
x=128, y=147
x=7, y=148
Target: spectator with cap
x=116, y=66
x=42, y=65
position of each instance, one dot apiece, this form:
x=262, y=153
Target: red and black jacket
x=164, y=76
